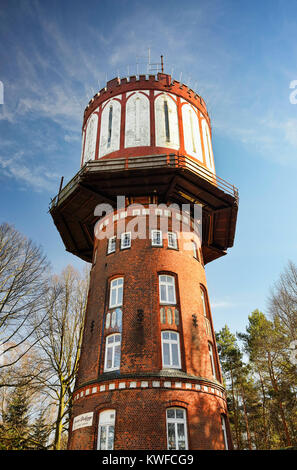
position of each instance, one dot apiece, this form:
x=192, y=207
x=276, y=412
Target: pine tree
x=39, y=433
x=231, y=361
x=264, y=343
x=14, y=431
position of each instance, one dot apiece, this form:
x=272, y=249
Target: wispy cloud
x=54, y=77
x=38, y=178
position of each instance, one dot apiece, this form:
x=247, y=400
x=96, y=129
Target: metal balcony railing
x=146, y=162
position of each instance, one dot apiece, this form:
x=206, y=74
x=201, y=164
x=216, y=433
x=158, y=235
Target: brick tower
x=149, y=374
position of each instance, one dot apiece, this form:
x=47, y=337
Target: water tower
x=149, y=375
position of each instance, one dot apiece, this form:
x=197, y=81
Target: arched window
x=90, y=139
x=167, y=289
x=176, y=420
x=112, y=352
x=166, y=121
x=207, y=145
x=137, y=119
x=191, y=130
x=170, y=350
x=116, y=292
x=105, y=439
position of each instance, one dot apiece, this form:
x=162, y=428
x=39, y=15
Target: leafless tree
x=283, y=301
x=23, y=284
x=59, y=339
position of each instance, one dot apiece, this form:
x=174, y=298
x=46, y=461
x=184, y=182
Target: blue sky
x=240, y=56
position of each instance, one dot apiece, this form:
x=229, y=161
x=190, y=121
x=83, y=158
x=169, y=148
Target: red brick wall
x=140, y=413
x=141, y=418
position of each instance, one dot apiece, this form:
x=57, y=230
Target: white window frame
x=112, y=346
x=164, y=281
x=107, y=420
x=126, y=236
x=170, y=342
x=177, y=421
x=203, y=299
x=172, y=240
x=156, y=237
x=224, y=429
x=116, y=285
x=212, y=360
x=195, y=250
x=111, y=247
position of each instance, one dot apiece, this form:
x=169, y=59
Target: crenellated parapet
x=148, y=115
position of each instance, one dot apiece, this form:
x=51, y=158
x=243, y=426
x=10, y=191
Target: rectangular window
x=195, y=251
x=156, y=236
x=111, y=247
x=125, y=240
x=224, y=429
x=203, y=302
x=171, y=350
x=172, y=240
x=211, y=356
x=167, y=289
x=106, y=430
x=112, y=352
x=116, y=292
x=176, y=429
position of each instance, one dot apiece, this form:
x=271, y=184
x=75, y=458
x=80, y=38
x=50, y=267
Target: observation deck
x=169, y=178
